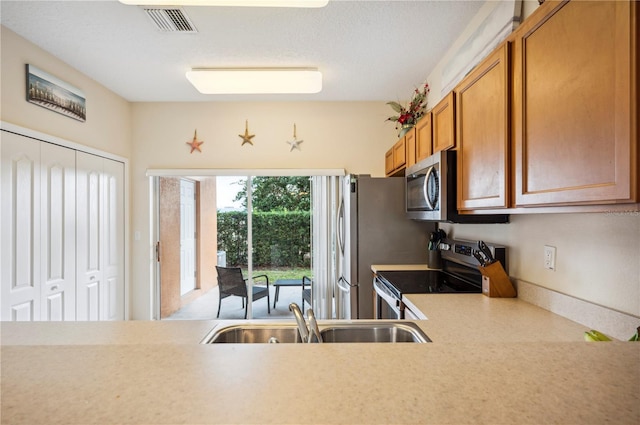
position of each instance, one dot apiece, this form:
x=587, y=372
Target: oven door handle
x=385, y=294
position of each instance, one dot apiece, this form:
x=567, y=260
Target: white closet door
x=113, y=275
x=20, y=228
x=89, y=233
x=58, y=235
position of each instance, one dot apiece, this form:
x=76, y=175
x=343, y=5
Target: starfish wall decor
x=195, y=143
x=295, y=143
x=246, y=137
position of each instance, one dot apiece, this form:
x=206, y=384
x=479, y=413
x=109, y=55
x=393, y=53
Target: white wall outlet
x=549, y=257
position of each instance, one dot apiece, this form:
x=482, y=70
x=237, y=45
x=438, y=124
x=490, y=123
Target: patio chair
x=231, y=282
x=306, y=293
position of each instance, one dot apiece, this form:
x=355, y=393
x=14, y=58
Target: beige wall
x=108, y=124
x=349, y=135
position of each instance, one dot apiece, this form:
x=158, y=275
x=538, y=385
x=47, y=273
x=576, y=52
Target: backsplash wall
x=597, y=257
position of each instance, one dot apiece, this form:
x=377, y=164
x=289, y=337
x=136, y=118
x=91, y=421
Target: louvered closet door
x=20, y=229
x=57, y=240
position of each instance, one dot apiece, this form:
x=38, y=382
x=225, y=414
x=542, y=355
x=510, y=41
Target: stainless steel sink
x=374, y=332
x=332, y=331
x=252, y=333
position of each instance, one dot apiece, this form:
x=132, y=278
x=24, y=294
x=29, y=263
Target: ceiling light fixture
x=255, y=80
x=234, y=3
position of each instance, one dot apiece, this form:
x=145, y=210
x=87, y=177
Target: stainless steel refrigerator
x=373, y=229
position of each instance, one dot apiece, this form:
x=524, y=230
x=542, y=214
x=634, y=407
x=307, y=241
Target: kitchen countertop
x=481, y=372
x=389, y=267
x=478, y=318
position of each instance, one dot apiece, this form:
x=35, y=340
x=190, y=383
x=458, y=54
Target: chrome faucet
x=306, y=332
x=313, y=326
x=302, y=326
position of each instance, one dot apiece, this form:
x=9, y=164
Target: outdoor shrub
x=280, y=239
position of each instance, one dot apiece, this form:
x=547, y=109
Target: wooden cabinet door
x=482, y=129
x=399, y=154
x=444, y=124
x=423, y=137
x=388, y=162
x=410, y=147
x=574, y=104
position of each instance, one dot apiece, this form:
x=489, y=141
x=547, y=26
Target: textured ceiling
x=366, y=50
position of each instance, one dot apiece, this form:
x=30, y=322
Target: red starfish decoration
x=195, y=143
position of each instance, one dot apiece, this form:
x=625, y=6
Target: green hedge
x=280, y=239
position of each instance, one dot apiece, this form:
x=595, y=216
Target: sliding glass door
x=275, y=228
x=272, y=216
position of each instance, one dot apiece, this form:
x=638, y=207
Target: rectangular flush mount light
x=234, y=3
x=255, y=80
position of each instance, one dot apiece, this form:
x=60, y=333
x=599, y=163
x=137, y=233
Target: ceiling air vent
x=170, y=19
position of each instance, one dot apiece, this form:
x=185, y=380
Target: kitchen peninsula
x=516, y=363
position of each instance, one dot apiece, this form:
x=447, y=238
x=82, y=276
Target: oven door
x=387, y=305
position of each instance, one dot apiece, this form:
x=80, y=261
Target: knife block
x=496, y=282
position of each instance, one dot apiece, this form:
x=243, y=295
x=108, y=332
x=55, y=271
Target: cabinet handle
x=54, y=287
x=92, y=278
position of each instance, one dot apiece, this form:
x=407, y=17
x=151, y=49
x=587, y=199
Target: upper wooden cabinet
x=444, y=125
x=482, y=130
x=410, y=147
x=399, y=154
x=423, y=137
x=395, y=160
x=574, y=104
x=388, y=162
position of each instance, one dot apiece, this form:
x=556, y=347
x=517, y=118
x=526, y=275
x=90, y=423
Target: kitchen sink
x=252, y=333
x=374, y=332
x=331, y=331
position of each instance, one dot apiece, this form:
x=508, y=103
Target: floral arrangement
x=408, y=117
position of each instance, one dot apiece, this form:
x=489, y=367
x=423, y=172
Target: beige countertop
x=487, y=370
x=381, y=267
x=478, y=318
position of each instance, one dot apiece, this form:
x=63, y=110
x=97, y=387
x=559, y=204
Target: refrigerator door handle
x=344, y=284
x=341, y=230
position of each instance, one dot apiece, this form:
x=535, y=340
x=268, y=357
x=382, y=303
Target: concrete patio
x=206, y=306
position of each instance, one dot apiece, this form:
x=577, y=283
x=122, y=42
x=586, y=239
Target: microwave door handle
x=425, y=188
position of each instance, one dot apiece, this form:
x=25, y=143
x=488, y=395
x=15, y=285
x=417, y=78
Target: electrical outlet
x=550, y=257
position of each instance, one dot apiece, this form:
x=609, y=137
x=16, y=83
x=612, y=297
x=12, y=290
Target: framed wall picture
x=45, y=90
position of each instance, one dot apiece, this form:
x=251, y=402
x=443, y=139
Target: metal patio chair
x=306, y=293
x=231, y=282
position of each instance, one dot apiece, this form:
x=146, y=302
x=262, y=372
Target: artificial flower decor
x=408, y=117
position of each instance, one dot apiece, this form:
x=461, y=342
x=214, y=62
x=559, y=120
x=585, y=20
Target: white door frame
x=188, y=239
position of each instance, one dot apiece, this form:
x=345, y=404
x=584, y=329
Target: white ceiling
x=366, y=50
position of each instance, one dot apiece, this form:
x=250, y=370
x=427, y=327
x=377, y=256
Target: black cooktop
x=427, y=281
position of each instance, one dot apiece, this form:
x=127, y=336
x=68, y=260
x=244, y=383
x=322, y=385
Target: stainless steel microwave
x=431, y=192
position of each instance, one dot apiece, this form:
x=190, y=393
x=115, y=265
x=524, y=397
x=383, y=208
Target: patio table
x=284, y=282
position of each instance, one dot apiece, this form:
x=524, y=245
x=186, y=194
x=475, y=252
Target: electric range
x=459, y=275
